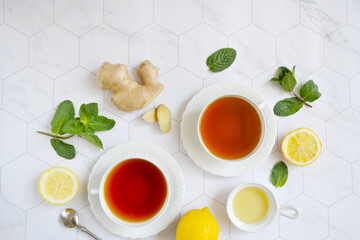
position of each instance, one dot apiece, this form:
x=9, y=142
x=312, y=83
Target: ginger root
x=129, y=95
x=162, y=115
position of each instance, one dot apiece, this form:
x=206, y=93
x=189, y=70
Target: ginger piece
x=163, y=115
x=150, y=116
x=129, y=95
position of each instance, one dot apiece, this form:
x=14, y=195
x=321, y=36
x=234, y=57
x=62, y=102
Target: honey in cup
x=135, y=190
x=250, y=205
x=230, y=128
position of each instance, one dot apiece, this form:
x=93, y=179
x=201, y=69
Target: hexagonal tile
x=229, y=16
x=229, y=75
x=128, y=16
x=344, y=217
x=119, y=134
x=273, y=92
x=28, y=17
x=54, y=51
x=39, y=145
x=88, y=219
x=80, y=87
x=82, y=167
x=28, y=94
x=257, y=48
x=78, y=16
x=270, y=232
x=335, y=89
x=103, y=44
x=328, y=172
x=219, y=188
x=14, y=144
x=26, y=194
x=127, y=116
x=313, y=218
x=12, y=222
x=168, y=13
x=276, y=16
x=323, y=16
x=301, y=47
x=293, y=185
x=356, y=177
x=196, y=45
x=217, y=210
x=54, y=228
x=193, y=176
x=156, y=44
x=150, y=132
x=342, y=51
x=354, y=96
x=353, y=13
x=176, y=95
x=15, y=55
x=302, y=119
x=343, y=135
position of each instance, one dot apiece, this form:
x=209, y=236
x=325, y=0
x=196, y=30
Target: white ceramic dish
x=194, y=147
x=159, y=157
x=273, y=210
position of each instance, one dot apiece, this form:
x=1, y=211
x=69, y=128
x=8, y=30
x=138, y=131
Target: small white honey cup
x=111, y=215
x=288, y=211
x=258, y=107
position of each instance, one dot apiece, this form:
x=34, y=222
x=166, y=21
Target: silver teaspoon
x=70, y=219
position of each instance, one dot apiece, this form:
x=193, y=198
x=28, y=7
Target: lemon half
x=301, y=147
x=58, y=185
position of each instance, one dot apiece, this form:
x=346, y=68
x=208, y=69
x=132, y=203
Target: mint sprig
x=309, y=92
x=279, y=174
x=221, y=59
x=64, y=122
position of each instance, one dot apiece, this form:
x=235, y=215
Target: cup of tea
x=231, y=127
x=134, y=192
x=251, y=207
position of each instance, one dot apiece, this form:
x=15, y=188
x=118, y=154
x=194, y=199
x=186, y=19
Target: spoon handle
x=84, y=229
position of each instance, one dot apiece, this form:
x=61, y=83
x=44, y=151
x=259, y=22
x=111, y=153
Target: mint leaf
x=74, y=126
x=287, y=107
x=293, y=71
x=63, y=149
x=288, y=83
x=282, y=72
x=101, y=123
x=93, y=108
x=85, y=114
x=221, y=59
x=309, y=91
x=275, y=80
x=92, y=139
x=279, y=174
x=64, y=112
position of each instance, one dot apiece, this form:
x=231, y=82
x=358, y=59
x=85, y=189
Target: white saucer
x=151, y=153
x=191, y=141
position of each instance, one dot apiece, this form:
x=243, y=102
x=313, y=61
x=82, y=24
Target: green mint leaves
x=84, y=126
x=221, y=59
x=279, y=174
x=309, y=92
x=287, y=106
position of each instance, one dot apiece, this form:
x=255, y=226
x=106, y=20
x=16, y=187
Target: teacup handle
x=294, y=211
x=94, y=191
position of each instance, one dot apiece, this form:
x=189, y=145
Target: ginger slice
x=163, y=115
x=150, y=116
x=129, y=95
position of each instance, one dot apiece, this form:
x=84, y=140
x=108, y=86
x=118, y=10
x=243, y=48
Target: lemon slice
x=58, y=185
x=301, y=147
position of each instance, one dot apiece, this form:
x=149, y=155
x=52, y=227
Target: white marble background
x=50, y=50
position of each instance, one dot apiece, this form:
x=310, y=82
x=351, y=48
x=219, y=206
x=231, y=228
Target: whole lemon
x=197, y=224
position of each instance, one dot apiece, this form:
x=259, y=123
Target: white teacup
x=257, y=106
x=288, y=211
x=111, y=215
